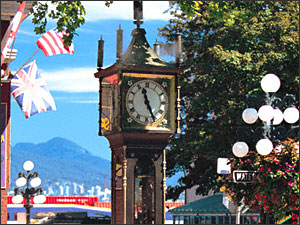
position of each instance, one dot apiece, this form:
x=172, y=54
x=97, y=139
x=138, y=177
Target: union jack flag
x=52, y=43
x=30, y=91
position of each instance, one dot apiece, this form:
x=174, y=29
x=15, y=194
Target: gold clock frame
x=171, y=101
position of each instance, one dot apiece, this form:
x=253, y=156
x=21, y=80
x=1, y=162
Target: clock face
x=147, y=102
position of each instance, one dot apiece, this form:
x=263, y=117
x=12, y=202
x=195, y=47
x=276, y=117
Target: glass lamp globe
x=17, y=199
x=291, y=115
x=270, y=83
x=240, y=149
x=250, y=115
x=35, y=182
x=265, y=113
x=21, y=181
x=38, y=199
x=264, y=146
x=278, y=116
x=28, y=165
x=42, y=198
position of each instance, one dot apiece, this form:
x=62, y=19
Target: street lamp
x=271, y=116
x=28, y=192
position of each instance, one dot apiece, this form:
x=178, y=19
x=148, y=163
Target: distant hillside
x=62, y=162
x=65, y=167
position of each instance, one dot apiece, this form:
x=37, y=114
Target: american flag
x=52, y=43
x=30, y=91
x=11, y=32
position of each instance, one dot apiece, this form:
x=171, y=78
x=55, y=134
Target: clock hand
x=147, y=103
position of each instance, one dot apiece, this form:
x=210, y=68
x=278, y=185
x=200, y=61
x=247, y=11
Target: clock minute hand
x=147, y=103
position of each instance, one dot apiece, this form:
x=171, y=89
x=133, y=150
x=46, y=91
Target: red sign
x=74, y=200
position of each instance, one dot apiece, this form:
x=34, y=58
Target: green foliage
x=69, y=16
x=227, y=47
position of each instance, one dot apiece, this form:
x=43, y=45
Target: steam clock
x=137, y=111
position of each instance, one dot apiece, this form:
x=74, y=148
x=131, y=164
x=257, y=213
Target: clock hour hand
x=147, y=103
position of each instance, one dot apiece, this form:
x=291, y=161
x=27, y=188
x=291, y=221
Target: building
x=210, y=210
x=8, y=11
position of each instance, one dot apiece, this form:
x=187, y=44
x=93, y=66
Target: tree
x=69, y=16
x=227, y=47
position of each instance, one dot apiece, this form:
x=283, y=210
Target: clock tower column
x=137, y=107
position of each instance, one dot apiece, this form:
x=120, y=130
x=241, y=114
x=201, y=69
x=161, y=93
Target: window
x=186, y=220
x=208, y=220
x=221, y=219
x=197, y=219
x=202, y=218
x=226, y=219
x=232, y=218
x=213, y=220
x=144, y=191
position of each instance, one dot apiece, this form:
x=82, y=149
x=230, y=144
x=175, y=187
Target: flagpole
x=27, y=61
x=9, y=57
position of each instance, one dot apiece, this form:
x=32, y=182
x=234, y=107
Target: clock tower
x=138, y=107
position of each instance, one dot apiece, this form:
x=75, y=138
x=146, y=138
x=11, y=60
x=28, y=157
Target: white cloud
x=152, y=10
x=72, y=80
x=85, y=101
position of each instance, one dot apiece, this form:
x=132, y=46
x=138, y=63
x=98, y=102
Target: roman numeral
x=138, y=116
x=132, y=110
x=147, y=84
x=160, y=111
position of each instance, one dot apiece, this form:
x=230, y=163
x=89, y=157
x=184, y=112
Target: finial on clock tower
x=138, y=13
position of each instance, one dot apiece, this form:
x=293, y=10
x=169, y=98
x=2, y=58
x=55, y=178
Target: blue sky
x=70, y=78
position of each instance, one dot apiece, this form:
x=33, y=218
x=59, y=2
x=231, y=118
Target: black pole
x=27, y=208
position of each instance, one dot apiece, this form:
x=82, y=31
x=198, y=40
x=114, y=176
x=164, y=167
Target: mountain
x=65, y=168
x=60, y=161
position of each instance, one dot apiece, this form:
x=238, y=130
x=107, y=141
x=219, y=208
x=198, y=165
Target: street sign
x=223, y=166
x=243, y=176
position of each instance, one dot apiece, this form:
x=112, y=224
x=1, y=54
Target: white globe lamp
x=35, y=182
x=21, y=181
x=278, y=116
x=264, y=146
x=270, y=83
x=39, y=199
x=17, y=199
x=291, y=115
x=240, y=149
x=28, y=165
x=250, y=115
x=265, y=113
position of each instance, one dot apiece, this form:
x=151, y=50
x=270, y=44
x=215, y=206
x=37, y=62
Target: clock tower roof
x=139, y=56
x=139, y=52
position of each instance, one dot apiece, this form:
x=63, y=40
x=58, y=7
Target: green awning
x=209, y=205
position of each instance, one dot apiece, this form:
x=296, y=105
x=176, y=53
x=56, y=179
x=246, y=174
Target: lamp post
x=269, y=113
x=27, y=192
